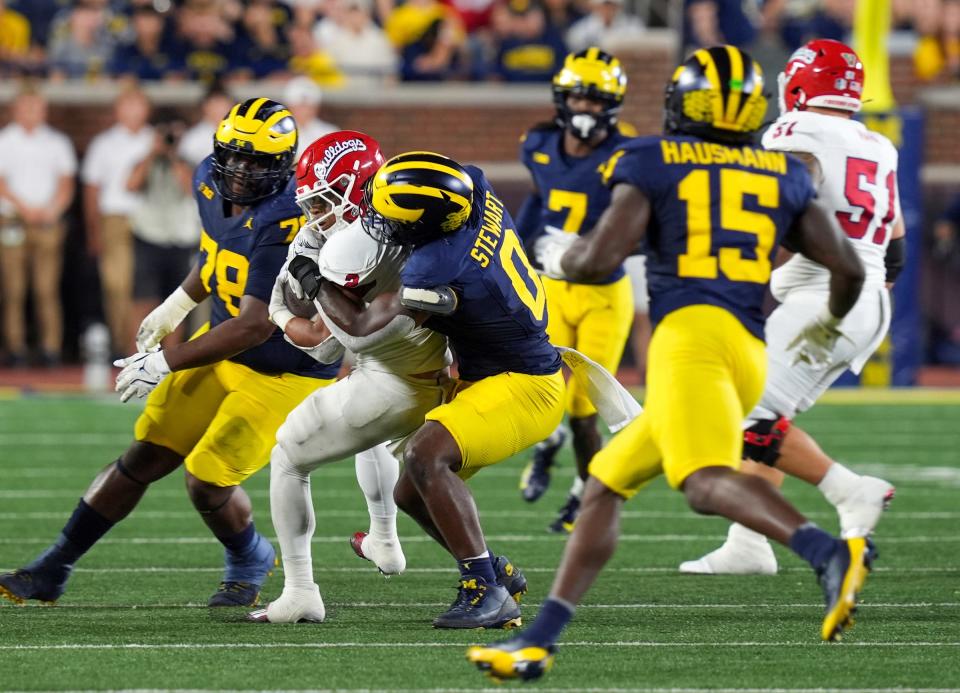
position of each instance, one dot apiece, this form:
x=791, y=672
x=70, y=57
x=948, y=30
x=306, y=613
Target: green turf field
x=133, y=616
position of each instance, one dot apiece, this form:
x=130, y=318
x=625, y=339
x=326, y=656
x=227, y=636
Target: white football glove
x=141, y=373
x=164, y=319
x=816, y=340
x=280, y=315
x=305, y=243
x=549, y=249
x=326, y=352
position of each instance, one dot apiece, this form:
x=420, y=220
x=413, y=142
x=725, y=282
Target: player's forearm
x=846, y=281
x=354, y=318
x=229, y=338
x=193, y=285
x=585, y=262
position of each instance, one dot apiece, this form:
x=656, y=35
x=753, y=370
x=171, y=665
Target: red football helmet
x=824, y=73
x=331, y=174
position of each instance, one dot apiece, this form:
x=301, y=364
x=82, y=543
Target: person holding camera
x=165, y=225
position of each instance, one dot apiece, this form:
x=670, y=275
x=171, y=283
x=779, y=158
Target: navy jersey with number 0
x=242, y=255
x=718, y=214
x=571, y=188
x=500, y=322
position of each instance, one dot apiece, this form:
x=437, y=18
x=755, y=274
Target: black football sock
x=240, y=543
x=478, y=567
x=553, y=617
x=84, y=529
x=813, y=545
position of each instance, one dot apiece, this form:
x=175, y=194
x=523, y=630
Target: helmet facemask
x=327, y=206
x=585, y=125
x=244, y=177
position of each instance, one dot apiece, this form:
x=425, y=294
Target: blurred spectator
x=309, y=60
x=82, y=40
x=40, y=14
x=166, y=227
x=605, y=26
x=108, y=204
x=562, y=14
x=303, y=98
x=261, y=49
x=197, y=142
x=428, y=36
x=799, y=22
x=149, y=54
x=208, y=40
x=712, y=22
x=528, y=48
x=937, y=22
x=941, y=286
x=37, y=171
x=359, y=47
x=14, y=38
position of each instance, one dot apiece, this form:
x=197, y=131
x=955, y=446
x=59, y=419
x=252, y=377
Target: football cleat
x=43, y=585
x=536, y=476
x=511, y=577
x=735, y=558
x=292, y=606
x=566, y=517
x=513, y=659
x=860, y=513
x=480, y=605
x=386, y=555
x=243, y=578
x=842, y=578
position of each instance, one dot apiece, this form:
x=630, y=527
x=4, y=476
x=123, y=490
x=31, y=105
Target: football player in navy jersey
x=713, y=210
x=566, y=159
x=215, y=402
x=466, y=277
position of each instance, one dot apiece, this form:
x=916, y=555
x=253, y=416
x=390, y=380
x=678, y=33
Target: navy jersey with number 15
x=500, y=322
x=242, y=255
x=718, y=214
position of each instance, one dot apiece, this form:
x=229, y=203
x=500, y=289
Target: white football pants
x=354, y=416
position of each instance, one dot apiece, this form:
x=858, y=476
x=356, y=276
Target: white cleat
x=734, y=559
x=293, y=606
x=860, y=513
x=386, y=555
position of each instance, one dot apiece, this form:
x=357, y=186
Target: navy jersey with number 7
x=718, y=214
x=500, y=322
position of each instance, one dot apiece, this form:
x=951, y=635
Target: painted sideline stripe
x=432, y=605
x=634, y=538
x=367, y=568
x=542, y=689
x=531, y=514
x=380, y=645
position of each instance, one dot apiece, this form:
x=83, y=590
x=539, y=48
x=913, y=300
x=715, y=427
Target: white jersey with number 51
x=859, y=185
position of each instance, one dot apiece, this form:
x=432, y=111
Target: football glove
x=279, y=313
x=164, y=319
x=549, y=249
x=141, y=373
x=816, y=340
x=304, y=277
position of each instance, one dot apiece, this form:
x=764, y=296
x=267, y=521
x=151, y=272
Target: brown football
x=301, y=307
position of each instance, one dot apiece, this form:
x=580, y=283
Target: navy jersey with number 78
x=718, y=214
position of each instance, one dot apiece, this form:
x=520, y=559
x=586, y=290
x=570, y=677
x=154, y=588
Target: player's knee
x=291, y=441
x=698, y=489
x=207, y=497
x=764, y=437
x=144, y=463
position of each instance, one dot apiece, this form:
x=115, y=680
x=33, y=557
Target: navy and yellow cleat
x=26, y=584
x=535, y=479
x=511, y=577
x=842, y=578
x=513, y=659
x=480, y=605
x=244, y=578
x=566, y=517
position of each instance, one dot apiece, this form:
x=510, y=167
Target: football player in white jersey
x=384, y=397
x=856, y=169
